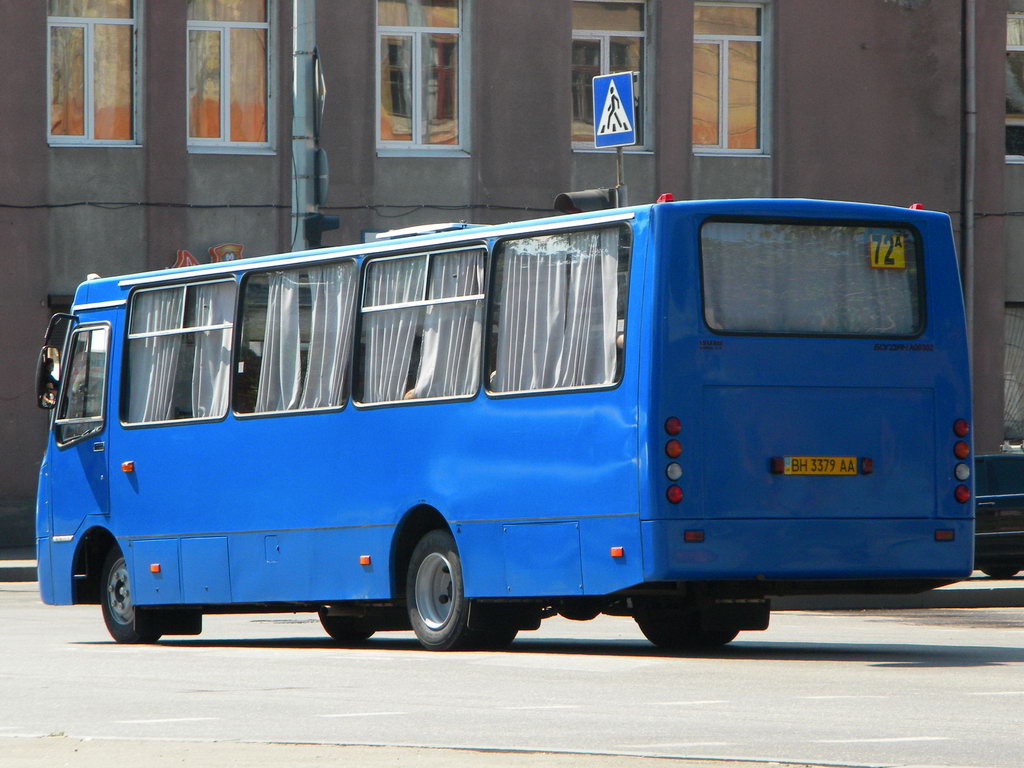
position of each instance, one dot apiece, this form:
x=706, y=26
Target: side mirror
x=47, y=377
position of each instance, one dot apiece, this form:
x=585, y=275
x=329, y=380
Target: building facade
x=145, y=133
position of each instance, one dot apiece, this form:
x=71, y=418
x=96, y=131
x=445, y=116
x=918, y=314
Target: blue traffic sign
x=614, y=110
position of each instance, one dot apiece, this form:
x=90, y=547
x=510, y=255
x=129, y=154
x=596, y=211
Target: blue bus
x=672, y=412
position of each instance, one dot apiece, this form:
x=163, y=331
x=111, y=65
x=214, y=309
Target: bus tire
x=344, y=629
x=679, y=631
x=119, y=612
x=1000, y=572
x=437, y=604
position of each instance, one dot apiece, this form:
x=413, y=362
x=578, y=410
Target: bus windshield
x=811, y=279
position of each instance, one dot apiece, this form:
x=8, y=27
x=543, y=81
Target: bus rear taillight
x=961, y=450
x=961, y=428
x=673, y=449
x=673, y=426
x=962, y=494
x=674, y=494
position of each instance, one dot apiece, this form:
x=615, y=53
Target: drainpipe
x=969, y=166
x=303, y=139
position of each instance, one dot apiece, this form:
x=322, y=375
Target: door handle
x=98, y=447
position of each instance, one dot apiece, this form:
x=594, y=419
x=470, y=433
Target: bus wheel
x=676, y=630
x=438, y=608
x=1000, y=572
x=116, y=602
x=344, y=629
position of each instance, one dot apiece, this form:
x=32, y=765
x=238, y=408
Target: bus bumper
x=807, y=550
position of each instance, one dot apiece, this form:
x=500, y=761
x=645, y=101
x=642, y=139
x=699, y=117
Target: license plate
x=819, y=465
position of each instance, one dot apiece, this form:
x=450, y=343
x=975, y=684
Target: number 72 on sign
x=887, y=250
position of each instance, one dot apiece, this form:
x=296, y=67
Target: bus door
x=79, y=455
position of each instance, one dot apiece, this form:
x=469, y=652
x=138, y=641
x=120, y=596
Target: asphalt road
x=942, y=687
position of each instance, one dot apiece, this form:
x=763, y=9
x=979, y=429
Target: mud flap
x=724, y=614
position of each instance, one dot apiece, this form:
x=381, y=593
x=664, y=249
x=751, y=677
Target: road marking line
x=540, y=706
x=827, y=698
x=893, y=740
x=688, y=703
x=165, y=720
x=996, y=693
x=364, y=714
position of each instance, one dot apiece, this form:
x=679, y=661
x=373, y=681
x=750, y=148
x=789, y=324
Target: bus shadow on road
x=882, y=655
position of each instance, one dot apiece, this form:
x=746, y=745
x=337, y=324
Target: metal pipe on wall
x=969, y=165
x=303, y=139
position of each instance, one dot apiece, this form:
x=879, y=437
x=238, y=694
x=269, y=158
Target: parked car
x=999, y=506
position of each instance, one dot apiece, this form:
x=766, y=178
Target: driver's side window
x=81, y=409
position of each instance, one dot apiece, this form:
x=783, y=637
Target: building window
x=728, y=77
x=1015, y=85
x=228, y=62
x=91, y=51
x=607, y=37
x=418, y=70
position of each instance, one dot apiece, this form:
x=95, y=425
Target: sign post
x=615, y=120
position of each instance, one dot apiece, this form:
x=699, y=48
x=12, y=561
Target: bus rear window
x=811, y=279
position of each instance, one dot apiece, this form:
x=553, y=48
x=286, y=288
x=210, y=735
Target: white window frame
x=1016, y=159
x=416, y=34
x=223, y=144
x=88, y=24
x=603, y=36
x=723, y=41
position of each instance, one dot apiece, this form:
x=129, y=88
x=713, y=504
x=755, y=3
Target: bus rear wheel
x=116, y=602
x=438, y=607
x=681, y=630
x=344, y=629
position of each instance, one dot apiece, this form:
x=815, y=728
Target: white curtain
x=154, y=359
x=450, y=350
x=389, y=335
x=214, y=305
x=333, y=293
x=280, y=370
x=558, y=316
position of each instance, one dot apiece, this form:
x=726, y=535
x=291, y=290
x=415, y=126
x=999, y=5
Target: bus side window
x=179, y=352
x=422, y=326
x=296, y=339
x=558, y=311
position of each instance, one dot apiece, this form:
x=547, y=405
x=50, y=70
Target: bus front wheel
x=116, y=602
x=438, y=607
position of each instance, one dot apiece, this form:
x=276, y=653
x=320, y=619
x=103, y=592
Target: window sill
x=232, y=149
x=421, y=152
x=94, y=144
x=1015, y=159
x=729, y=153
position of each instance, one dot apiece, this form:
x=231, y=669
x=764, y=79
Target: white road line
x=364, y=714
x=893, y=740
x=830, y=698
x=688, y=703
x=541, y=706
x=165, y=720
x=996, y=693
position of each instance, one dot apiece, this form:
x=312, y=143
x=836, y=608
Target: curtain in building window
x=449, y=353
x=153, y=360
x=558, y=312
x=248, y=85
x=280, y=371
x=213, y=306
x=389, y=334
x=67, y=81
x=330, y=336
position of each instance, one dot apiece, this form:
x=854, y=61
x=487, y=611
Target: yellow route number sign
x=888, y=251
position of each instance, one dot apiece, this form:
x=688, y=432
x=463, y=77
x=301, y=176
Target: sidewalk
x=17, y=564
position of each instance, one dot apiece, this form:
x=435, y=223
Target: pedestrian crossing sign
x=614, y=110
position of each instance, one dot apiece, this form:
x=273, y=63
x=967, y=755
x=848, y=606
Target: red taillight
x=945, y=534
x=961, y=428
x=674, y=494
x=962, y=494
x=693, y=537
x=867, y=465
x=673, y=425
x=961, y=450
x=673, y=449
